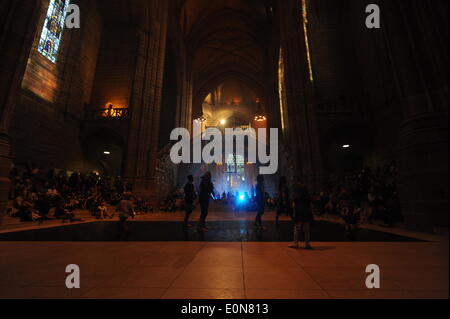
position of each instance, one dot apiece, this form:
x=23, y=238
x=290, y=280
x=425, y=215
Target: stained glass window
x=231, y=164
x=240, y=165
x=52, y=31
x=236, y=164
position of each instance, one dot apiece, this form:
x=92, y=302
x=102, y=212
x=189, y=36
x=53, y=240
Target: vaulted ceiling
x=226, y=39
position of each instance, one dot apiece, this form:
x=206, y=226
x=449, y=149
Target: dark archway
x=346, y=147
x=104, y=150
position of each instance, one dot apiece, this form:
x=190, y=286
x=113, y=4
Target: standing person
x=125, y=209
x=260, y=200
x=189, y=198
x=206, y=193
x=302, y=215
x=284, y=199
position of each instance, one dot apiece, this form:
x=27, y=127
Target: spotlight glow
x=346, y=146
x=107, y=153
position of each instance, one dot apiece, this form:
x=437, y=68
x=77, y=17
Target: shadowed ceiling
x=226, y=39
x=133, y=12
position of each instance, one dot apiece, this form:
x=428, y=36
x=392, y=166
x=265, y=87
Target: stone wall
x=115, y=70
x=353, y=79
x=46, y=120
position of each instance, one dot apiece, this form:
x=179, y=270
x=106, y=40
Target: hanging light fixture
x=201, y=119
x=259, y=117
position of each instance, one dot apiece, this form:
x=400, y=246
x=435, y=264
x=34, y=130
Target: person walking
x=302, y=215
x=284, y=199
x=260, y=200
x=189, y=198
x=206, y=193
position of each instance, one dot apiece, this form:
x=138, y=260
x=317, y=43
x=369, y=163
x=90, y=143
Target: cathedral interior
x=104, y=96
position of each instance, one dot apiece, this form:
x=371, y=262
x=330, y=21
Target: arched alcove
x=103, y=150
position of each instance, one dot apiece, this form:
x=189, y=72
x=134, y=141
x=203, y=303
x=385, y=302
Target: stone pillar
x=418, y=57
x=146, y=103
x=301, y=105
x=18, y=24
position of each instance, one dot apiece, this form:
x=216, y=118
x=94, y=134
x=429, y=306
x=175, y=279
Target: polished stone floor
x=219, y=231
x=225, y=270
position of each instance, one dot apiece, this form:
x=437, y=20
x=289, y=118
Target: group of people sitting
x=362, y=197
x=37, y=195
x=359, y=198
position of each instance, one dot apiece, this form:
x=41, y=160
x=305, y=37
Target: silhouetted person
x=206, y=192
x=125, y=209
x=110, y=110
x=189, y=198
x=260, y=200
x=302, y=215
x=284, y=199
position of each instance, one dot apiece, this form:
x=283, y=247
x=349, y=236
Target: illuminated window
x=305, y=29
x=282, y=91
x=240, y=165
x=231, y=164
x=52, y=31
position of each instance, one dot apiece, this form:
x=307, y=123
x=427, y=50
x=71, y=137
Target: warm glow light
x=260, y=118
x=113, y=111
x=346, y=146
x=281, y=90
x=107, y=153
x=201, y=119
x=223, y=122
x=305, y=29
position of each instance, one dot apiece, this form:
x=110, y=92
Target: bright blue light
x=241, y=198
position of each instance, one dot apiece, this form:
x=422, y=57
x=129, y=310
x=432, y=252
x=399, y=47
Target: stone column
x=146, y=103
x=18, y=24
x=301, y=105
x=418, y=56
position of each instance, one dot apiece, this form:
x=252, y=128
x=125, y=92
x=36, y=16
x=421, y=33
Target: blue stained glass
x=52, y=31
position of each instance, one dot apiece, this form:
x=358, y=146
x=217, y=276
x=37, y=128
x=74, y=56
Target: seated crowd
x=362, y=197
x=39, y=195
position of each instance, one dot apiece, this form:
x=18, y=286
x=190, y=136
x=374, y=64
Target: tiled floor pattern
x=223, y=270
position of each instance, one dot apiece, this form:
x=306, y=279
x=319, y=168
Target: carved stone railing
x=108, y=114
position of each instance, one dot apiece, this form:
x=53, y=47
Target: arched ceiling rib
x=225, y=39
